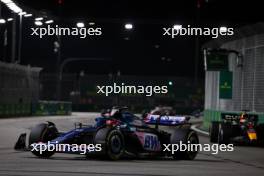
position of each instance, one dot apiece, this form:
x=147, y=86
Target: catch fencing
x=19, y=88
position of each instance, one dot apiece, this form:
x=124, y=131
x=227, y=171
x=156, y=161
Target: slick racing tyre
x=213, y=132
x=260, y=134
x=115, y=146
x=225, y=133
x=42, y=133
x=184, y=136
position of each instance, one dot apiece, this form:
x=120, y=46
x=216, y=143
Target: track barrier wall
x=19, y=93
x=41, y=108
x=52, y=108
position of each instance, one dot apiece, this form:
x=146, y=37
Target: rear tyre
x=115, y=146
x=225, y=133
x=213, y=132
x=21, y=142
x=42, y=133
x=260, y=134
x=185, y=136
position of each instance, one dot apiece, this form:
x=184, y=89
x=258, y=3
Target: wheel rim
x=115, y=144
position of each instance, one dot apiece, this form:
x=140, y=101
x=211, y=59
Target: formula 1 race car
x=119, y=134
x=238, y=129
x=158, y=110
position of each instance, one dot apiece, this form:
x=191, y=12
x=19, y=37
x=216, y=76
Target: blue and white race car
x=166, y=119
x=114, y=136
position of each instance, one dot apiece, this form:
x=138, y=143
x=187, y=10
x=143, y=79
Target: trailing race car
x=119, y=133
x=238, y=129
x=160, y=110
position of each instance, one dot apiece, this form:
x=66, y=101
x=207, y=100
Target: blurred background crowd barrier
x=19, y=93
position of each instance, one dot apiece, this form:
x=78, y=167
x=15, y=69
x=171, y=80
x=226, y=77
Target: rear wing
x=166, y=120
x=231, y=117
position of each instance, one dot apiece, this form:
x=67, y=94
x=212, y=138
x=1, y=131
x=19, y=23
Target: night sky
x=141, y=51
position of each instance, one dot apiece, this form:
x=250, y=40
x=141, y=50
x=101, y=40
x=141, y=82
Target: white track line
x=194, y=127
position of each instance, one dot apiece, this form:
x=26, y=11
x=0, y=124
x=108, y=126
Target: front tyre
x=42, y=133
x=115, y=146
x=214, y=132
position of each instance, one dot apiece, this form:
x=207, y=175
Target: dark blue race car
x=116, y=134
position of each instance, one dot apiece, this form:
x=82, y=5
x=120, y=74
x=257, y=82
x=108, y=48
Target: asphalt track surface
x=242, y=161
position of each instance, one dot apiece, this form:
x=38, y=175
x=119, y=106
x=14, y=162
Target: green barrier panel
x=42, y=108
x=15, y=110
x=52, y=108
x=1, y=110
x=7, y=110
x=261, y=118
x=60, y=109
